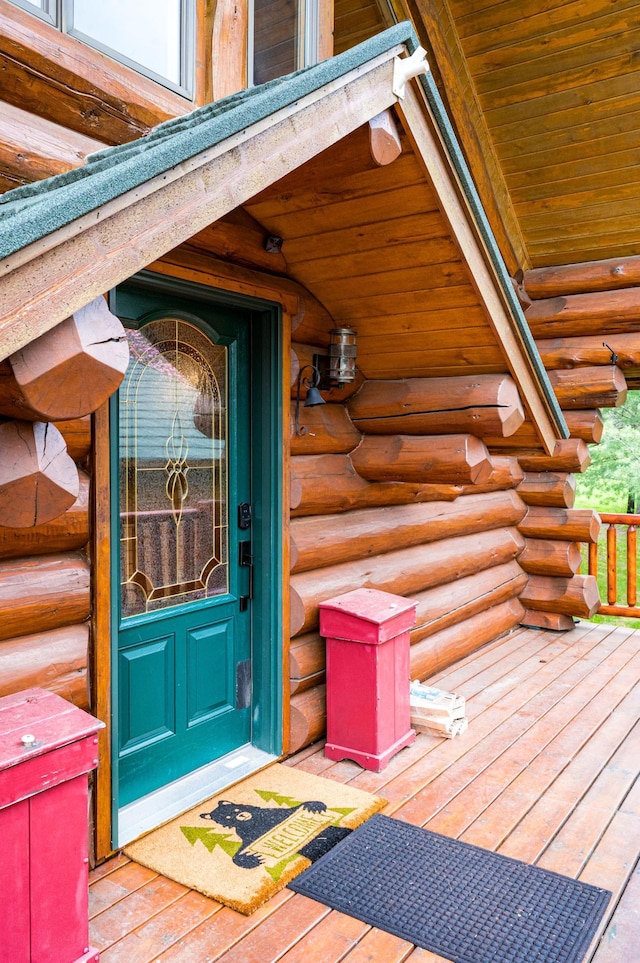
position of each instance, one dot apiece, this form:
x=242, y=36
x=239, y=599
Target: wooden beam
x=326, y=484
x=580, y=352
x=563, y=279
x=55, y=660
x=556, y=489
x=38, y=479
x=66, y=533
x=318, y=541
x=329, y=430
x=547, y=620
x=32, y=148
x=569, y=524
x=228, y=59
x=577, y=596
x=571, y=454
x=68, y=371
x=588, y=425
x=384, y=139
x=441, y=459
x=577, y=315
x=142, y=225
x=506, y=473
x=42, y=593
x=402, y=572
x=543, y=556
x=237, y=237
x=481, y=405
x=422, y=129
x=598, y=387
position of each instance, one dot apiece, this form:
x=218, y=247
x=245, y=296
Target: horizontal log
x=77, y=437
x=547, y=620
x=32, y=148
x=38, y=479
x=480, y=405
x=565, y=596
x=403, y=572
x=576, y=315
x=506, y=473
x=46, y=592
x=580, y=352
x=603, y=386
x=325, y=484
x=69, y=371
x=303, y=355
x=555, y=489
x=588, y=425
x=307, y=656
x=567, y=524
x=441, y=459
x=308, y=682
x=570, y=455
x=606, y=275
x=55, y=660
x=446, y=605
x=443, y=648
x=66, y=533
x=308, y=717
x=295, y=491
x=319, y=541
x=329, y=431
x=544, y=556
x=239, y=238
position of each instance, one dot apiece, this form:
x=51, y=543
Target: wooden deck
x=547, y=772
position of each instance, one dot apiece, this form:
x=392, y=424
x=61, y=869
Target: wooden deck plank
x=622, y=937
x=120, y=919
x=380, y=947
x=170, y=925
x=329, y=941
x=279, y=933
x=113, y=887
x=547, y=772
x=225, y=929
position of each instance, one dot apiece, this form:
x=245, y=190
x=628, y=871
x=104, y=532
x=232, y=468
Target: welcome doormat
x=246, y=843
x=464, y=903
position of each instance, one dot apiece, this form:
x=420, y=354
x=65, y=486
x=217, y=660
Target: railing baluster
x=631, y=565
x=593, y=559
x=612, y=565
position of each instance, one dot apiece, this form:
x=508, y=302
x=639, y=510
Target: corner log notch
x=38, y=479
x=485, y=405
x=441, y=459
x=69, y=371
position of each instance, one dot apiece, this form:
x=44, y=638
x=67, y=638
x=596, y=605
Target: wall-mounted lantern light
x=342, y=355
x=313, y=395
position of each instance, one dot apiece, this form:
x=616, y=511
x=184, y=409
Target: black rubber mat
x=467, y=904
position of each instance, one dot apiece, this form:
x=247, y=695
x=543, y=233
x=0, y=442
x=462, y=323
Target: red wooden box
x=368, y=674
x=47, y=747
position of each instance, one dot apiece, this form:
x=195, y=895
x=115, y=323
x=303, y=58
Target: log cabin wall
x=583, y=317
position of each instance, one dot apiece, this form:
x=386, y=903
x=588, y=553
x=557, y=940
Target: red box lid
x=52, y=720
x=366, y=615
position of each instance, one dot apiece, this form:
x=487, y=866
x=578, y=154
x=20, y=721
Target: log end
x=38, y=479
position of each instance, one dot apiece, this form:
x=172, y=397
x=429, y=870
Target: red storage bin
x=368, y=714
x=47, y=747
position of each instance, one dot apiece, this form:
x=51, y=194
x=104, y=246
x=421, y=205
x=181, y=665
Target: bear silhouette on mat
x=252, y=822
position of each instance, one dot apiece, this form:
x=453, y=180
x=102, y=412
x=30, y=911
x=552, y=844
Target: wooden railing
x=614, y=522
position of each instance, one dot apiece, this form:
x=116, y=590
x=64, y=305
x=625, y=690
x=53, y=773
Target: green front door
x=184, y=526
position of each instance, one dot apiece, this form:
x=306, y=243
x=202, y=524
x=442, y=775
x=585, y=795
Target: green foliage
x=614, y=473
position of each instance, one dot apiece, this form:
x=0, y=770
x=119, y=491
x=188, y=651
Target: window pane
x=275, y=39
x=147, y=31
x=173, y=471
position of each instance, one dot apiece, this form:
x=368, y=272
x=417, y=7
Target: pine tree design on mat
x=244, y=845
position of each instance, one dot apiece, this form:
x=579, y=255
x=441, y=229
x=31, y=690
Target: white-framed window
x=154, y=37
x=283, y=36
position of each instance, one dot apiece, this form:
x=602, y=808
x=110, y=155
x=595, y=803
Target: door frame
x=265, y=400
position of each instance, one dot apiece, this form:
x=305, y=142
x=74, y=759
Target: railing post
x=612, y=589
x=631, y=565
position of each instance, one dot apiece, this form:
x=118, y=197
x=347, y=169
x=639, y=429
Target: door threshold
x=177, y=797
